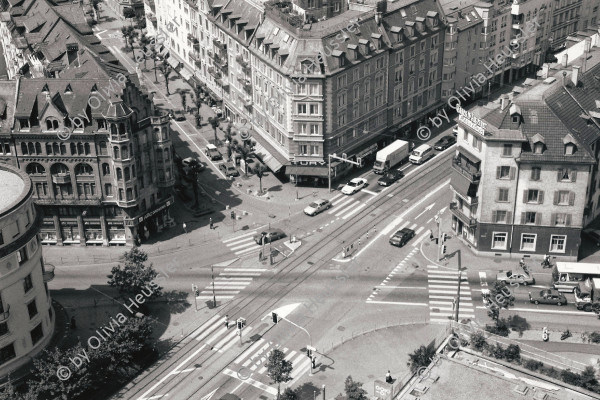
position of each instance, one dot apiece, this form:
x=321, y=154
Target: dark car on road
x=444, y=143
x=270, y=236
x=390, y=177
x=177, y=115
x=229, y=169
x=548, y=296
x=402, y=237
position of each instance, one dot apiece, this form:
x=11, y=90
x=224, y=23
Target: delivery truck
x=587, y=295
x=390, y=156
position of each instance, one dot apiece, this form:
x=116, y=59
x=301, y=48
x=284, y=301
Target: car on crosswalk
x=401, y=237
x=519, y=278
x=354, y=185
x=548, y=296
x=270, y=235
x=317, y=206
x=390, y=177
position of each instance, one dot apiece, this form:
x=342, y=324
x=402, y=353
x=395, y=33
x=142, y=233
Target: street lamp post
x=212, y=275
x=459, y=281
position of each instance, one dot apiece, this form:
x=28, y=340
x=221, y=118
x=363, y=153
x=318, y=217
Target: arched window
x=156, y=133
x=73, y=149
x=166, y=153
x=87, y=149
x=116, y=151
x=77, y=123
x=31, y=148
x=84, y=169
x=119, y=174
x=24, y=148
x=38, y=148
x=79, y=148
x=165, y=133
x=159, y=155
x=121, y=129
x=129, y=194
x=59, y=169
x=103, y=151
x=51, y=124
x=113, y=130
x=63, y=149
x=127, y=176
x=105, y=169
x=55, y=148
x=35, y=168
x=124, y=153
x=48, y=148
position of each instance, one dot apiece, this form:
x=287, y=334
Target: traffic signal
x=443, y=249
x=241, y=322
x=359, y=161
x=443, y=237
x=308, y=353
x=233, y=215
x=197, y=292
x=275, y=317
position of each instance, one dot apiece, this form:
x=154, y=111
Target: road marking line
x=247, y=269
x=402, y=287
x=256, y=355
x=240, y=273
x=247, y=251
x=354, y=211
x=210, y=297
x=465, y=304
x=443, y=272
x=220, y=278
x=207, y=292
x=259, y=385
x=429, y=220
x=449, y=286
x=451, y=283
x=231, y=343
x=343, y=202
x=335, y=197
x=420, y=239
x=442, y=291
x=224, y=340
x=433, y=308
x=300, y=370
x=450, y=297
x=398, y=303
x=239, y=237
x=371, y=193
x=342, y=211
x=212, y=328
x=239, y=246
x=204, y=326
x=591, y=314
x=413, y=226
x=249, y=350
x=209, y=288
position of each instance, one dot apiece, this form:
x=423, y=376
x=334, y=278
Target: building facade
x=26, y=314
x=565, y=21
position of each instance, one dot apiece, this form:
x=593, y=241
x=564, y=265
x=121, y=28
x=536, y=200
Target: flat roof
x=578, y=268
x=12, y=187
x=464, y=376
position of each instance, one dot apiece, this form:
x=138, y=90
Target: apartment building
x=565, y=21
x=26, y=315
x=590, y=15
x=525, y=172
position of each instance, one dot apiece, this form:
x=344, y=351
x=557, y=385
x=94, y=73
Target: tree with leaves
x=9, y=392
x=278, y=369
x=260, y=171
x=166, y=70
x=290, y=394
x=130, y=34
x=421, y=357
x=198, y=119
x=154, y=55
x=128, y=13
x=145, y=41
x=501, y=296
x=354, y=390
x=183, y=96
x=134, y=276
x=214, y=122
x=193, y=172
x=47, y=385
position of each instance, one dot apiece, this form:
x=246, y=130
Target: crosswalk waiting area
x=250, y=364
x=443, y=288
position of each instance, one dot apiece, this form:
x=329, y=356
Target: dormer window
x=515, y=119
x=396, y=33
x=538, y=148
x=51, y=124
x=376, y=40
x=340, y=57
x=569, y=149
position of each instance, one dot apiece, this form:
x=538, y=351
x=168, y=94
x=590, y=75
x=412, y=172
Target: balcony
x=61, y=179
x=220, y=45
x=48, y=272
x=473, y=176
x=469, y=221
x=5, y=314
x=517, y=26
x=248, y=88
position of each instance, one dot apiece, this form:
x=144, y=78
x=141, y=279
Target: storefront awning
x=462, y=185
x=173, y=62
x=185, y=74
x=306, y=170
x=472, y=159
x=268, y=154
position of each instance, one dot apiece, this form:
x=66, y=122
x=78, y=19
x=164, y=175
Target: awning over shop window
x=462, y=185
x=268, y=155
x=173, y=62
x=306, y=170
x=185, y=74
x=472, y=159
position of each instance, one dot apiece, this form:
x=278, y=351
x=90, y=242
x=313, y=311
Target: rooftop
x=12, y=188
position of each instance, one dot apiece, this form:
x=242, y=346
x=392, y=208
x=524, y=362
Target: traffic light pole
x=194, y=289
x=299, y=327
x=212, y=275
x=329, y=166
x=459, y=281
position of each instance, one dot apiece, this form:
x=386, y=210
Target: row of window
x=531, y=218
x=529, y=242
x=60, y=169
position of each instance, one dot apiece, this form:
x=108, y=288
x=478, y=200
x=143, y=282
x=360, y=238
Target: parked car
x=548, y=296
x=317, y=206
x=229, y=169
x=455, y=130
x=217, y=111
x=270, y=236
x=593, y=235
x=510, y=277
x=444, y=142
x=421, y=154
x=177, y=115
x=390, y=177
x=354, y=186
x=212, y=152
x=401, y=237
x=190, y=162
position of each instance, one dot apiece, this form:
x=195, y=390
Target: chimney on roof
x=564, y=60
x=575, y=74
x=545, y=70
x=378, y=18
x=587, y=45
x=503, y=102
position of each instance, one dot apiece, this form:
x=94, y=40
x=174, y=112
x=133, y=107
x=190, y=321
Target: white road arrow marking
x=211, y=394
x=283, y=311
x=442, y=210
x=429, y=207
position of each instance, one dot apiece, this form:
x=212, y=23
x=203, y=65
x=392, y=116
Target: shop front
x=116, y=232
x=48, y=232
x=70, y=231
x=154, y=221
x=93, y=232
x=315, y=175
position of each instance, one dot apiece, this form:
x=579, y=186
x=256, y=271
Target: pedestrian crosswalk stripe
x=239, y=237
x=249, y=350
x=354, y=211
x=419, y=230
x=225, y=339
x=413, y=226
x=246, y=269
x=216, y=336
x=240, y=273
x=447, y=272
x=298, y=371
x=213, y=327
x=221, y=292
x=335, y=197
x=233, y=279
x=447, y=302
x=343, y=210
x=448, y=285
x=433, y=296
x=340, y=203
x=256, y=355
x=226, y=346
x=210, y=297
x=204, y=326
x=250, y=243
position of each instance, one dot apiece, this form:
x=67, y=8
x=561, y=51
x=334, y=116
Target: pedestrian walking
x=184, y=227
x=226, y=321
x=211, y=223
x=431, y=234
x=388, y=377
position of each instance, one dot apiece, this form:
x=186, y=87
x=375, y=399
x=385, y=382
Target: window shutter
x=541, y=197
x=512, y=172
x=573, y=176
x=498, y=195
x=522, y=218
x=568, y=220
x=525, y=192
x=494, y=216
x=509, y=217
x=532, y=174
x=538, y=218
x=497, y=172
x=560, y=172
x=553, y=219
x=556, y=195
x=571, y=198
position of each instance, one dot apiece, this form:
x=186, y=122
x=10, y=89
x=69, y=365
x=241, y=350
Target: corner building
x=26, y=314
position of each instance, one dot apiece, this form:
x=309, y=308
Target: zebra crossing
x=443, y=287
x=229, y=283
x=344, y=207
x=250, y=364
x=243, y=245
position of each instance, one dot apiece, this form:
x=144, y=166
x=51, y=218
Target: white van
x=421, y=154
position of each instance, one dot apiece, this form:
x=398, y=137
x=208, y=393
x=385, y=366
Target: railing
x=61, y=179
x=470, y=221
x=473, y=177
x=219, y=44
x=5, y=314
